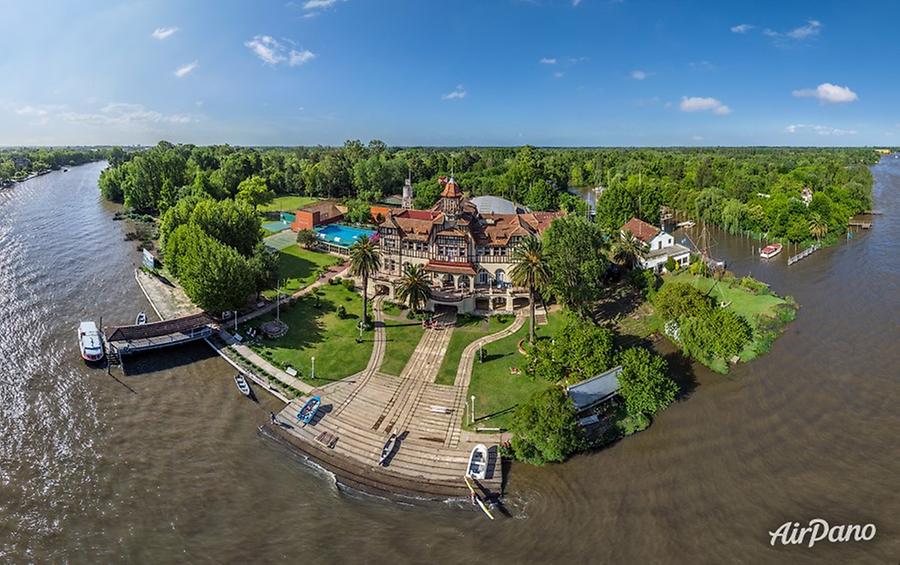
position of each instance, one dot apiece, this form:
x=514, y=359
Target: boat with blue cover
x=308, y=412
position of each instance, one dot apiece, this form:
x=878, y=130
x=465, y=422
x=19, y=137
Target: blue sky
x=474, y=72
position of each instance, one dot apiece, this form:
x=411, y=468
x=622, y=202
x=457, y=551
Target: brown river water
x=165, y=464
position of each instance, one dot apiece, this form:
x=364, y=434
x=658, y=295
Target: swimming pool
x=341, y=235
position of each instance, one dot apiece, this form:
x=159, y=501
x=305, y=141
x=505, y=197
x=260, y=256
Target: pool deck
x=359, y=413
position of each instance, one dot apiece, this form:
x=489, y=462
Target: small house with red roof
x=658, y=244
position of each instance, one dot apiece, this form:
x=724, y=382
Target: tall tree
x=530, y=270
x=627, y=250
x=414, y=287
x=574, y=248
x=364, y=261
x=817, y=226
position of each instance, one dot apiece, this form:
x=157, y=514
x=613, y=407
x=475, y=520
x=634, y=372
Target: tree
x=254, y=190
x=413, y=287
x=817, y=226
x=542, y=196
x=574, y=249
x=545, y=429
x=628, y=250
x=643, y=382
x=364, y=261
x=307, y=238
x=677, y=299
x=531, y=271
x=583, y=348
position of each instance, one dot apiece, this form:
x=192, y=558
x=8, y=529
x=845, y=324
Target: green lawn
x=287, y=203
x=467, y=330
x=402, y=337
x=496, y=390
x=297, y=268
x=319, y=332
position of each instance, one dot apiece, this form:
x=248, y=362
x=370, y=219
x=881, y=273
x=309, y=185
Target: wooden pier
x=125, y=340
x=859, y=224
x=803, y=254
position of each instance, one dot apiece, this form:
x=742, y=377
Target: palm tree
x=628, y=250
x=414, y=287
x=530, y=270
x=817, y=226
x=364, y=261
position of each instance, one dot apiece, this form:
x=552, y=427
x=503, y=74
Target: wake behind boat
x=90, y=342
x=242, y=385
x=388, y=448
x=770, y=251
x=308, y=412
x=477, y=468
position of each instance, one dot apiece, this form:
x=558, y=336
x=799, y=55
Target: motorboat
x=308, y=412
x=478, y=460
x=90, y=342
x=242, y=385
x=388, y=448
x=770, y=251
x=141, y=319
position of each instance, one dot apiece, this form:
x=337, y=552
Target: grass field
x=297, y=268
x=401, y=337
x=496, y=390
x=287, y=203
x=467, y=330
x=319, y=332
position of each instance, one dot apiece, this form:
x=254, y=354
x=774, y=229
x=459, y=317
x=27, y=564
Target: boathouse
x=144, y=337
x=594, y=391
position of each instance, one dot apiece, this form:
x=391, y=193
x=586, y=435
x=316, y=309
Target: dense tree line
x=16, y=164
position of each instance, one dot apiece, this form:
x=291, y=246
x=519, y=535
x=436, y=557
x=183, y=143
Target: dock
x=803, y=254
x=859, y=224
x=126, y=340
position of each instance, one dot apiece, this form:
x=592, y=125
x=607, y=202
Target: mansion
x=467, y=254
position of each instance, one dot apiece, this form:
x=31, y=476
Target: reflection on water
x=166, y=464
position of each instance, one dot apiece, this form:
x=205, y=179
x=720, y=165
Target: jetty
x=125, y=340
x=859, y=224
x=803, y=254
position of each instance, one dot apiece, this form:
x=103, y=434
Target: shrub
x=720, y=333
x=643, y=382
x=676, y=299
x=341, y=311
x=754, y=286
x=348, y=284
x=671, y=265
x=645, y=281
x=545, y=429
x=542, y=363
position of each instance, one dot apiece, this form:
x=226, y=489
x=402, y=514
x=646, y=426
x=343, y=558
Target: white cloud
x=162, y=33
x=811, y=28
x=41, y=113
x=123, y=116
x=828, y=93
x=457, y=94
x=273, y=52
x=300, y=57
x=702, y=65
x=547, y=61
x=638, y=74
x=576, y=2
x=697, y=137
x=742, y=28
x=185, y=70
x=318, y=4
x=701, y=104
x=819, y=129
x=559, y=74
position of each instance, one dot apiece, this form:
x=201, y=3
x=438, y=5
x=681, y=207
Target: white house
x=658, y=245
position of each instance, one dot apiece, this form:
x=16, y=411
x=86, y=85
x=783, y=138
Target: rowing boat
x=242, y=385
x=388, y=448
x=308, y=412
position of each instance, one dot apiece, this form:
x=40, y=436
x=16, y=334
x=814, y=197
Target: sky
x=449, y=72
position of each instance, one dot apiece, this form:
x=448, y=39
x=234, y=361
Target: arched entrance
x=500, y=278
x=447, y=281
x=462, y=281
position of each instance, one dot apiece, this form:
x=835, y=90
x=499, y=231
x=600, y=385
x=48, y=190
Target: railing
x=803, y=254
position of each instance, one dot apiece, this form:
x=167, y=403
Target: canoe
x=388, y=448
x=478, y=459
x=242, y=385
x=141, y=319
x=308, y=412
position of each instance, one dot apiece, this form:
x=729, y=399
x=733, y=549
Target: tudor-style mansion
x=467, y=254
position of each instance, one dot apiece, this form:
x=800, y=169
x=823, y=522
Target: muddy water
x=165, y=464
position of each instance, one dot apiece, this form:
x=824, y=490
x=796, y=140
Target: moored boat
x=242, y=385
x=90, y=342
x=388, y=448
x=770, y=251
x=141, y=319
x=308, y=412
x=478, y=459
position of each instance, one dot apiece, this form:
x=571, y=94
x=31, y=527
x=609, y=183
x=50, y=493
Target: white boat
x=770, y=251
x=388, y=448
x=141, y=319
x=242, y=385
x=478, y=461
x=90, y=342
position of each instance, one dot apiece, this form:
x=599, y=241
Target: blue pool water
x=342, y=235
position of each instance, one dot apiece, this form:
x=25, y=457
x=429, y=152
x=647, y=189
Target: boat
x=770, y=251
x=65, y=170
x=141, y=319
x=477, y=499
x=308, y=412
x=388, y=448
x=90, y=342
x=242, y=385
x=477, y=468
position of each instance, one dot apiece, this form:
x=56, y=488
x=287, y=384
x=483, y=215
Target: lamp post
x=472, y=411
x=235, y=321
x=314, y=367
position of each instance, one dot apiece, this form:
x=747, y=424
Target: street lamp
x=472, y=411
x=314, y=367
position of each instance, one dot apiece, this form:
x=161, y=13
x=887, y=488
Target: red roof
x=451, y=189
x=641, y=229
x=452, y=268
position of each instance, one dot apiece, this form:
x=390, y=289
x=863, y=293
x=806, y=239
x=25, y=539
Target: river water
x=165, y=463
